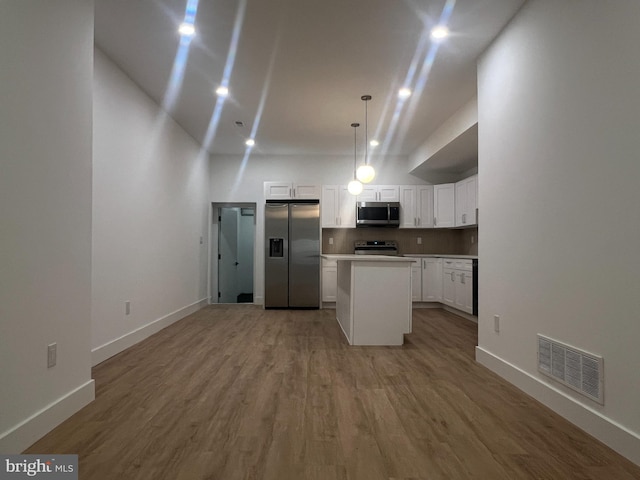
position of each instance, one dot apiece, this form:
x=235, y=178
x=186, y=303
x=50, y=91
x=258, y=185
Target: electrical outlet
x=330, y=240
x=496, y=323
x=419, y=240
x=201, y=240
x=52, y=355
x=127, y=308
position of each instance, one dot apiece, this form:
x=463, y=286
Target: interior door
x=228, y=255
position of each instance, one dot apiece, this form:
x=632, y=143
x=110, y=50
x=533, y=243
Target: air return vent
x=579, y=370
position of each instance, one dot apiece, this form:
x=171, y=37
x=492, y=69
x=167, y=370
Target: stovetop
x=375, y=247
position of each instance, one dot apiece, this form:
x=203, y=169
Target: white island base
x=373, y=300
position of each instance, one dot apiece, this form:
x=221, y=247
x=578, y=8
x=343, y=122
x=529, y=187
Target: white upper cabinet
x=338, y=207
x=408, y=207
x=379, y=193
x=467, y=201
x=288, y=191
x=416, y=206
x=444, y=205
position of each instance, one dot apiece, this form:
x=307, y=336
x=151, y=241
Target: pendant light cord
x=355, y=147
x=366, y=132
x=366, y=99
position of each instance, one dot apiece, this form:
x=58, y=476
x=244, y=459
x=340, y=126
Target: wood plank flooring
x=238, y=392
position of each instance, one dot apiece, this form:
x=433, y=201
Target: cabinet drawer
x=458, y=263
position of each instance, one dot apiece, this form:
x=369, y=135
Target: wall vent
x=577, y=369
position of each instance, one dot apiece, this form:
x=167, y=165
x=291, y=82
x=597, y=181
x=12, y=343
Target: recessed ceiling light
x=250, y=142
x=439, y=32
x=374, y=143
x=187, y=29
x=404, y=93
x=222, y=91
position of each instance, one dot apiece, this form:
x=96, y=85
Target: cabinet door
x=329, y=207
x=408, y=210
x=461, y=203
x=468, y=292
x=444, y=205
x=379, y=193
x=369, y=194
x=449, y=287
x=463, y=291
x=416, y=280
x=424, y=204
x=346, y=208
x=466, y=201
x=329, y=284
x=388, y=193
x=306, y=191
x=432, y=280
x=277, y=190
x=472, y=200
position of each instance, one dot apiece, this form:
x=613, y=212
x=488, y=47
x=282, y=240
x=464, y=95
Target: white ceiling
x=307, y=62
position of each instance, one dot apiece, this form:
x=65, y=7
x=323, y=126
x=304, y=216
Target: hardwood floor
x=237, y=392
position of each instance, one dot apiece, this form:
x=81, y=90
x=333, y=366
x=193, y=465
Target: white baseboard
x=609, y=432
x=109, y=349
x=42, y=422
x=258, y=300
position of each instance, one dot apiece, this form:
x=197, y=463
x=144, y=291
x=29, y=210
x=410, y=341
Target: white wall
x=45, y=215
x=461, y=121
x=559, y=170
x=150, y=185
x=235, y=180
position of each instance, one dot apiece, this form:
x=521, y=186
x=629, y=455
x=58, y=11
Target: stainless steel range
x=376, y=247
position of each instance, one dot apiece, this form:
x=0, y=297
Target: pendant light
x=354, y=186
x=366, y=172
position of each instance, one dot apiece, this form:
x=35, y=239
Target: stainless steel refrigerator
x=292, y=254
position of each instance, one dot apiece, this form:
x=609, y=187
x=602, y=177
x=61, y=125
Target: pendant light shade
x=366, y=172
x=354, y=186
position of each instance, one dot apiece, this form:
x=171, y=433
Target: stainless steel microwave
x=378, y=214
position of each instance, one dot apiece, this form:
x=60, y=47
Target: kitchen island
x=373, y=299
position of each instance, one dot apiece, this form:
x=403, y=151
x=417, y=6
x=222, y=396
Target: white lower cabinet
x=449, y=287
x=416, y=280
x=457, y=284
x=432, y=279
x=329, y=280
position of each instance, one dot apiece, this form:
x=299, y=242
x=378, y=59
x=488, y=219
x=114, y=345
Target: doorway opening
x=234, y=261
